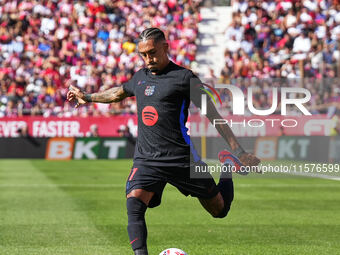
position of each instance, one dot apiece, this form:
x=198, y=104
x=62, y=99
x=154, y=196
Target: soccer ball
x=173, y=251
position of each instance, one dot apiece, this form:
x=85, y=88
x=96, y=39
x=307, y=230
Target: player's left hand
x=76, y=94
x=248, y=159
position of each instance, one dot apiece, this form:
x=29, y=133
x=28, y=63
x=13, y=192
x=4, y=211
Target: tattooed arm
x=112, y=95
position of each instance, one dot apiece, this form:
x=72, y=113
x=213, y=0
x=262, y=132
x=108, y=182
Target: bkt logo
x=238, y=99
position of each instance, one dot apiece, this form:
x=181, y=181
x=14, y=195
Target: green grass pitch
x=78, y=208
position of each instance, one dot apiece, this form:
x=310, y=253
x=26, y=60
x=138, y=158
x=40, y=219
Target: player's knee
x=222, y=213
x=219, y=212
x=135, y=208
x=143, y=195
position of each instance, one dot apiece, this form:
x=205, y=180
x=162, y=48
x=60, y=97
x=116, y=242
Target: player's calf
x=226, y=188
x=216, y=206
x=224, y=212
x=136, y=225
x=213, y=205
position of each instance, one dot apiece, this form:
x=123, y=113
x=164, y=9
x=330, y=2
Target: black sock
x=142, y=251
x=226, y=187
x=136, y=225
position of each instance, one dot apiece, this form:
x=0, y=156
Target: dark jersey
x=162, y=105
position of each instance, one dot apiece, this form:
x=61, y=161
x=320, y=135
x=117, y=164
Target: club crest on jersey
x=149, y=90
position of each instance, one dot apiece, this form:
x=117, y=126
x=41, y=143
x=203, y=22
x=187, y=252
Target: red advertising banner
x=274, y=125
x=66, y=127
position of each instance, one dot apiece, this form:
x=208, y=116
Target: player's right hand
x=248, y=159
x=76, y=94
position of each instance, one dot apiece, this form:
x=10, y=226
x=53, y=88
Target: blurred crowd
x=47, y=45
x=272, y=40
x=283, y=39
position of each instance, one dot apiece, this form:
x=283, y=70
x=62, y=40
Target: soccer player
x=162, y=152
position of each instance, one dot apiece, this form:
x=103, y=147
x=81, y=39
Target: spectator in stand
x=124, y=131
x=93, y=132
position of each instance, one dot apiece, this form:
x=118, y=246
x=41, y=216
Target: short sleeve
x=129, y=87
x=195, y=88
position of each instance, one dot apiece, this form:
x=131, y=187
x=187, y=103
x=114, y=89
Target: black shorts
x=154, y=179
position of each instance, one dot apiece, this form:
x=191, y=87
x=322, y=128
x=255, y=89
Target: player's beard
x=154, y=69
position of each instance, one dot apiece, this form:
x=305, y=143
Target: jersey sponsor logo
x=149, y=115
x=149, y=90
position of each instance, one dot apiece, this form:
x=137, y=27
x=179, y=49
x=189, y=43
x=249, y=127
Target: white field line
x=286, y=185
x=315, y=175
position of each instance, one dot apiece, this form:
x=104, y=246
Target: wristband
x=87, y=98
